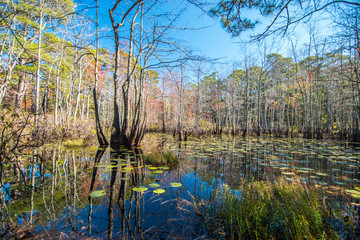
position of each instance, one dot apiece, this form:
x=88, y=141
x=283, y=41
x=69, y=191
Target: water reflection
x=46, y=191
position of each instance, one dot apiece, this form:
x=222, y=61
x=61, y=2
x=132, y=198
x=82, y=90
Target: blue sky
x=210, y=40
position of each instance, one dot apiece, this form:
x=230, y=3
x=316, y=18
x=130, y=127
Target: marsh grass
x=273, y=210
x=167, y=158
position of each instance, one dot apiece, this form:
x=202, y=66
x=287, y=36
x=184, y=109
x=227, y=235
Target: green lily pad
x=175, y=185
x=97, y=193
x=353, y=192
x=159, y=191
x=357, y=196
x=111, y=166
x=158, y=171
x=140, y=189
x=321, y=174
x=154, y=185
x=101, y=165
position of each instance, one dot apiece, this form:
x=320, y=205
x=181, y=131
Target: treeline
x=313, y=94
x=51, y=63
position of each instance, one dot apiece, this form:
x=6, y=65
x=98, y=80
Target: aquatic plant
x=161, y=158
x=159, y=191
x=175, y=185
x=273, y=210
x=97, y=193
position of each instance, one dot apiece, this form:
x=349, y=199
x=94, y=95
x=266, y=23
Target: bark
x=37, y=105
x=21, y=87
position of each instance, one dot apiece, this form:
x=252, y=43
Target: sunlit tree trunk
x=37, y=101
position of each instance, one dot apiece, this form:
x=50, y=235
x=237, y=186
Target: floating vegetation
x=321, y=174
x=273, y=210
x=97, y=193
x=159, y=191
x=128, y=168
x=101, y=165
x=164, y=168
x=175, y=185
x=154, y=185
x=140, y=189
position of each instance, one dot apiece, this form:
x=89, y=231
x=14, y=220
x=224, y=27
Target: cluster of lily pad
x=322, y=162
x=157, y=189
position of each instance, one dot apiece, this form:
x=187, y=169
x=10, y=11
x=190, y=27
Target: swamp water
x=56, y=192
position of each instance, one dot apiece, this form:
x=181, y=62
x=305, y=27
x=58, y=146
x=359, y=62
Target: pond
x=57, y=192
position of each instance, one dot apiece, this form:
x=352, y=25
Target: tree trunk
x=37, y=107
x=21, y=87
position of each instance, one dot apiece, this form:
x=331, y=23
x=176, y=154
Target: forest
x=109, y=94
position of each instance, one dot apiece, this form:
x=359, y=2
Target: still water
x=57, y=192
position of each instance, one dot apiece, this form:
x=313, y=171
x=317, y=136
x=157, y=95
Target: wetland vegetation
x=220, y=187
x=113, y=126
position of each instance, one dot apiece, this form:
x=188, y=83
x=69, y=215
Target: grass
x=277, y=210
x=161, y=159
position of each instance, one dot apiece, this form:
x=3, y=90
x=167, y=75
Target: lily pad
x=159, y=191
x=140, y=189
x=175, y=185
x=164, y=168
x=154, y=185
x=111, y=166
x=97, y=193
x=321, y=174
x=353, y=192
x=357, y=196
x=101, y=165
x=157, y=172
